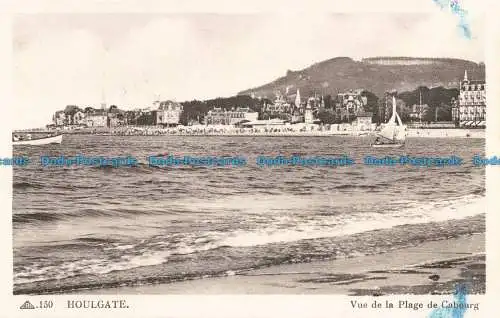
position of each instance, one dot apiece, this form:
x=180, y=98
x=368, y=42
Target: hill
x=377, y=75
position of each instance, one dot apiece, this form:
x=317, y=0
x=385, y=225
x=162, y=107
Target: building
x=364, y=121
x=308, y=115
x=471, y=103
x=418, y=112
x=279, y=107
x=297, y=116
x=455, y=112
x=116, y=117
x=383, y=60
x=168, y=113
x=268, y=123
x=59, y=118
x=78, y=118
x=350, y=104
x=219, y=116
x=96, y=118
x=314, y=103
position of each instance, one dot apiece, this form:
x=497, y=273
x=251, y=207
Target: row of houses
x=77, y=117
x=344, y=107
x=166, y=113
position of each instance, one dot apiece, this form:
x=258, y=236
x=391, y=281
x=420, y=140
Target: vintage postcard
x=199, y=162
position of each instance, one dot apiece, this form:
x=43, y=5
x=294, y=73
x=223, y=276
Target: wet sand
x=429, y=268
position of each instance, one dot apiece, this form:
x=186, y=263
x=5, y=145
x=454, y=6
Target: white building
x=471, y=110
x=364, y=121
x=98, y=118
x=168, y=113
x=78, y=118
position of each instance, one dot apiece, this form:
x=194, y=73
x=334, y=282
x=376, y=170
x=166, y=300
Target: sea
x=81, y=227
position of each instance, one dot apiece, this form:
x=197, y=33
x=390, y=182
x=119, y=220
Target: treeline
x=440, y=101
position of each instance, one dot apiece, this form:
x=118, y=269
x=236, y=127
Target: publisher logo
x=27, y=305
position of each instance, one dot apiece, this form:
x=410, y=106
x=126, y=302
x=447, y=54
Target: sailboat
x=393, y=135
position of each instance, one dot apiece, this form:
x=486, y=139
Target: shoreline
x=411, y=133
x=401, y=271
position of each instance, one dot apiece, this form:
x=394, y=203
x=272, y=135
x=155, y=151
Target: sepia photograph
x=263, y=153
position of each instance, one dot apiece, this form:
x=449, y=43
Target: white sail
x=400, y=130
x=388, y=131
x=394, y=129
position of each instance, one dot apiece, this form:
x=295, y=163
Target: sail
x=394, y=129
x=400, y=131
x=388, y=131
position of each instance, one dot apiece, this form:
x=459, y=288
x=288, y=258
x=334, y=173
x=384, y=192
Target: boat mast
x=420, y=108
x=394, y=107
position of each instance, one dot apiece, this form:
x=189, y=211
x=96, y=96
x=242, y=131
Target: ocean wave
x=36, y=217
x=361, y=186
x=167, y=248
x=349, y=224
x=150, y=267
x=47, y=185
x=26, y=185
x=40, y=217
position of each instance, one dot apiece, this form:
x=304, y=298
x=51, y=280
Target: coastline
x=401, y=271
x=153, y=131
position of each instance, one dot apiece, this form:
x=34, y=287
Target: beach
x=401, y=271
x=284, y=131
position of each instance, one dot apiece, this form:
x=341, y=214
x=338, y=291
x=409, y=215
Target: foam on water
x=337, y=226
x=155, y=253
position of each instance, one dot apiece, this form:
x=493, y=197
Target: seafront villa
x=168, y=113
x=219, y=116
x=471, y=108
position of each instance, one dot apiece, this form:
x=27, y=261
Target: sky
x=130, y=59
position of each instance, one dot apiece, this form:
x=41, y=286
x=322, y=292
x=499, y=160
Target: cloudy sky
x=129, y=59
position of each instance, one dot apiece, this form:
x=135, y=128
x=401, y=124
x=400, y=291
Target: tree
x=371, y=101
x=194, y=110
x=327, y=117
x=145, y=119
x=328, y=102
x=71, y=110
x=444, y=113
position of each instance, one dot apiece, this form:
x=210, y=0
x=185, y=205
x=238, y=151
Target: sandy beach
x=402, y=271
x=271, y=132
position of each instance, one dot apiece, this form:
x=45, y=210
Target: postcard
x=250, y=160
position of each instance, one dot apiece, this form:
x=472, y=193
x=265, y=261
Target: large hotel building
x=471, y=108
